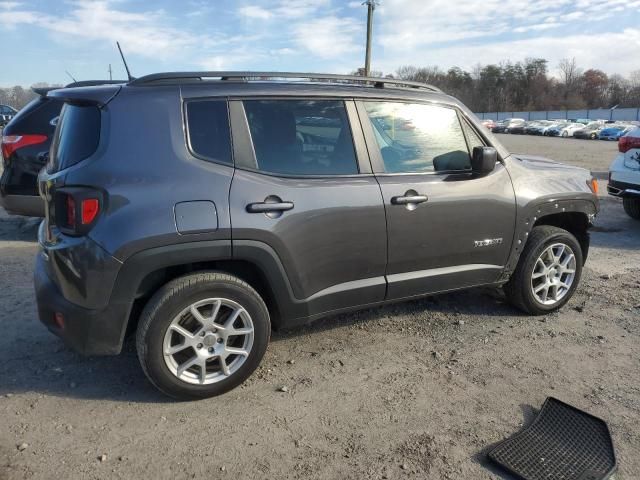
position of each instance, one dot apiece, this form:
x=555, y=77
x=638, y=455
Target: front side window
x=416, y=138
x=301, y=137
x=208, y=127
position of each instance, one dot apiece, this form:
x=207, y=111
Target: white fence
x=620, y=114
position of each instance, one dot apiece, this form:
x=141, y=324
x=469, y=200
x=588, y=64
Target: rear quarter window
x=77, y=136
x=208, y=131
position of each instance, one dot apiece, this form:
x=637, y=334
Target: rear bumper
x=88, y=331
x=28, y=205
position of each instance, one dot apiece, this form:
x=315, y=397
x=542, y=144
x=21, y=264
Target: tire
x=632, y=207
x=175, y=302
x=519, y=289
x=593, y=136
x=565, y=134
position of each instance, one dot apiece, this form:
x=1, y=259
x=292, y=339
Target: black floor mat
x=562, y=443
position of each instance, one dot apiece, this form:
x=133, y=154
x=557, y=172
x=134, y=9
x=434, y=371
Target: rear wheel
x=632, y=207
x=202, y=334
x=548, y=271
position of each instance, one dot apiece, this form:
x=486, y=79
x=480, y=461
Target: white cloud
x=145, y=33
x=412, y=24
x=588, y=53
x=328, y=37
x=9, y=5
x=254, y=11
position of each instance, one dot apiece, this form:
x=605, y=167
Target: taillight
x=76, y=210
x=11, y=143
x=627, y=143
x=593, y=185
x=89, y=208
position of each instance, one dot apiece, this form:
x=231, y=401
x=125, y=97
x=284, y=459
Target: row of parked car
x=577, y=128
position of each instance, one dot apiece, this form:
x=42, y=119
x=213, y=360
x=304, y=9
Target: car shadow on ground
x=51, y=368
x=16, y=228
x=482, y=301
x=64, y=373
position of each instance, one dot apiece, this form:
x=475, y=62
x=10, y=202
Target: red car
x=489, y=124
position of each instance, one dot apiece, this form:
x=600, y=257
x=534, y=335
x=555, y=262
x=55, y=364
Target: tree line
x=18, y=96
x=529, y=85
x=503, y=87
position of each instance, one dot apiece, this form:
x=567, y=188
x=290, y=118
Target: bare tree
x=569, y=72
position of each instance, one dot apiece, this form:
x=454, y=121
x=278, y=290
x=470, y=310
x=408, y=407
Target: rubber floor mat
x=562, y=443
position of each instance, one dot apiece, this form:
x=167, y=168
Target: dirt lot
x=595, y=155
x=417, y=390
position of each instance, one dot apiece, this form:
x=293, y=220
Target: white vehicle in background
x=569, y=129
x=624, y=173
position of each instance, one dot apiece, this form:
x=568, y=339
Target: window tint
x=77, y=135
x=209, y=135
x=301, y=137
x=416, y=138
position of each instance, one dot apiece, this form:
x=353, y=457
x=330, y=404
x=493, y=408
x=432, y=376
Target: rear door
x=447, y=227
x=303, y=187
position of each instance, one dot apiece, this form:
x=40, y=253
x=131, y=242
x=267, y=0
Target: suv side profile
x=202, y=209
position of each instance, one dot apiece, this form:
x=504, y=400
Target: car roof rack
x=377, y=82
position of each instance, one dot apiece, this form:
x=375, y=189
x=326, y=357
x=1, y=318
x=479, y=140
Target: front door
x=447, y=228
x=305, y=193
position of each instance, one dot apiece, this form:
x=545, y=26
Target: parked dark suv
x=25, y=144
x=202, y=209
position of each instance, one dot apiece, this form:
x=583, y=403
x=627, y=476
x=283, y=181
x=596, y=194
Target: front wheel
x=547, y=273
x=632, y=207
x=202, y=334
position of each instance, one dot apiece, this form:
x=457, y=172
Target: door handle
x=267, y=207
x=409, y=199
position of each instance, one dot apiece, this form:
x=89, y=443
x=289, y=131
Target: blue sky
x=40, y=39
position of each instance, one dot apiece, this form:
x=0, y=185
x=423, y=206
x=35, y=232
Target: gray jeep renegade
x=202, y=209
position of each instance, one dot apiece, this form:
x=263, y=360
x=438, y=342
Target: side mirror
x=483, y=160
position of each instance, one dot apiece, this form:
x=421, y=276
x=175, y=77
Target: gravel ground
x=414, y=390
x=594, y=155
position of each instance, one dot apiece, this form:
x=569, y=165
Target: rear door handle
x=409, y=199
x=266, y=207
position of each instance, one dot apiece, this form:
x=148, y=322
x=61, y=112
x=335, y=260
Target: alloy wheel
x=553, y=274
x=208, y=341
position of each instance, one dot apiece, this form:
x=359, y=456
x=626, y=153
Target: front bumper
x=621, y=189
x=88, y=331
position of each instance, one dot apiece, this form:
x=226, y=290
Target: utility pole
x=110, y=73
x=371, y=6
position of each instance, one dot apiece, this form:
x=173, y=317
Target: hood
x=537, y=177
x=535, y=162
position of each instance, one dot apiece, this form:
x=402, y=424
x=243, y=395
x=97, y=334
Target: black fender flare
x=534, y=212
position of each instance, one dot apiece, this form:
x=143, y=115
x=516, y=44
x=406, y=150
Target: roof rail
x=378, y=82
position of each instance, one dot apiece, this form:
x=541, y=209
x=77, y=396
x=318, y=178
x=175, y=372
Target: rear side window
x=77, y=135
x=301, y=137
x=208, y=127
